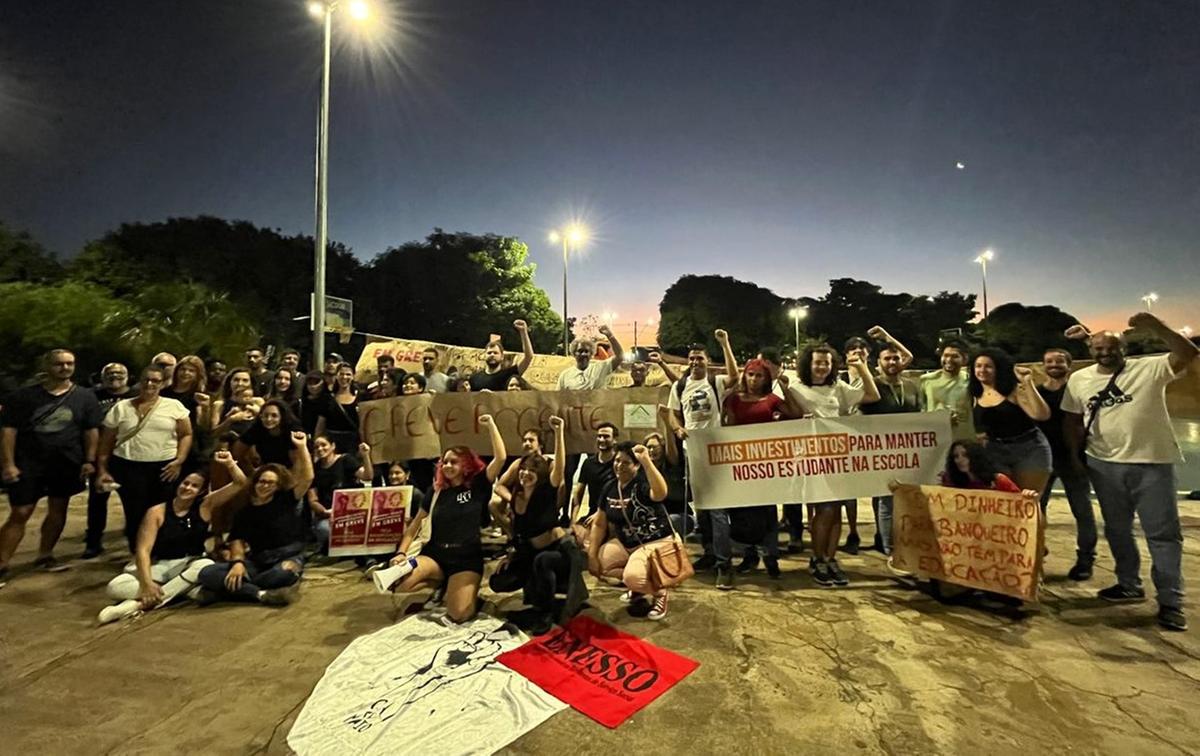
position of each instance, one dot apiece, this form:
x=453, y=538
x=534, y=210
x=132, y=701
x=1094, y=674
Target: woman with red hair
x=453, y=555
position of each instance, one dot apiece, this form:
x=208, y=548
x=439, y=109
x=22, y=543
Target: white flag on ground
x=422, y=687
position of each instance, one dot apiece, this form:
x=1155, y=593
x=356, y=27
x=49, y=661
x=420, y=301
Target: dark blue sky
x=785, y=143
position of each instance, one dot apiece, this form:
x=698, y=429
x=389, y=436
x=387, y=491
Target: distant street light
x=359, y=11
x=986, y=256
x=1150, y=299
x=798, y=314
x=573, y=236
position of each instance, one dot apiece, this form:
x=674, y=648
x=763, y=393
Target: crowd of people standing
x=226, y=474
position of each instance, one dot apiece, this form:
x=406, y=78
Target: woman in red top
x=750, y=402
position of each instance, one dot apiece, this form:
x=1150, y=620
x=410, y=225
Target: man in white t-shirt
x=588, y=374
x=695, y=403
x=1116, y=411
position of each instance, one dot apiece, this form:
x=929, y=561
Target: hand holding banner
x=978, y=538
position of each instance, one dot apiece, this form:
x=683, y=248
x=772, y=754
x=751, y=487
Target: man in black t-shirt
x=594, y=474
x=48, y=438
x=494, y=377
x=262, y=378
x=896, y=394
x=1057, y=365
x=114, y=386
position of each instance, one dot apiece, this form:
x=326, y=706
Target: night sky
x=785, y=143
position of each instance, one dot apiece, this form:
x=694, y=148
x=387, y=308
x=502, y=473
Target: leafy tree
x=1025, y=332
x=457, y=288
x=695, y=306
x=24, y=260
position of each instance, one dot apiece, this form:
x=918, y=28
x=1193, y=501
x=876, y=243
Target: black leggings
x=558, y=568
x=141, y=488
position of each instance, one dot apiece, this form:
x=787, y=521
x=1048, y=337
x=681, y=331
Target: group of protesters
x=227, y=475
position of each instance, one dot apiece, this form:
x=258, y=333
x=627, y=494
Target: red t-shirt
x=1001, y=483
x=761, y=410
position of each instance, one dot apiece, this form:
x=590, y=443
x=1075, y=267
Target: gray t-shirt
x=437, y=382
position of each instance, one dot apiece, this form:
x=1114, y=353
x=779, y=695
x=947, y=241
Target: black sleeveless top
x=180, y=537
x=1003, y=421
x=541, y=513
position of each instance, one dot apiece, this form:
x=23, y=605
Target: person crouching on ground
x=462, y=489
x=547, y=557
x=267, y=538
x=170, y=545
x=632, y=510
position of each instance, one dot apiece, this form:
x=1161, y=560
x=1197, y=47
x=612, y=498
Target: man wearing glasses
x=114, y=386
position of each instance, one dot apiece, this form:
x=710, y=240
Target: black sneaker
x=276, y=596
x=1171, y=618
x=91, y=552
x=706, y=562
x=795, y=546
x=877, y=543
x=772, y=567
x=748, y=563
x=852, y=543
x=1119, y=594
x=724, y=578
x=50, y=564
x=821, y=574
x=1081, y=571
x=812, y=565
x=836, y=574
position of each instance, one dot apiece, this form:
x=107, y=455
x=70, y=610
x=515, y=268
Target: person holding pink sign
x=462, y=488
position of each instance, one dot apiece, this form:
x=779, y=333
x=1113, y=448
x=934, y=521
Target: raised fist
x=364, y=449
x=223, y=457
x=556, y=422
x=1023, y=373
x=485, y=421
x=721, y=336
x=654, y=357
x=202, y=400
x=877, y=333
x=1077, y=331
x=520, y=325
x=299, y=438
x=1143, y=321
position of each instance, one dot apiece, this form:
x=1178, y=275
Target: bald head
x=1107, y=348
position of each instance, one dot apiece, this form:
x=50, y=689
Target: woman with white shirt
x=143, y=446
x=823, y=394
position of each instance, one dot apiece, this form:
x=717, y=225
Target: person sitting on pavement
x=630, y=523
x=170, y=545
x=333, y=470
x=454, y=554
x=266, y=542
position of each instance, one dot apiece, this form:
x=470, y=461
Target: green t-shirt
x=942, y=391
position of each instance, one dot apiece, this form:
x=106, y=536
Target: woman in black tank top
x=170, y=544
x=546, y=559
x=1007, y=408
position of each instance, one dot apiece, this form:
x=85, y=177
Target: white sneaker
x=659, y=610
x=628, y=597
x=119, y=611
x=892, y=568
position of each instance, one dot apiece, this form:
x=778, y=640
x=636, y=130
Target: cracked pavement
x=786, y=667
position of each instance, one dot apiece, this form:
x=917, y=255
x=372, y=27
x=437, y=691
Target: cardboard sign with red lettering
x=368, y=520
x=599, y=670
x=977, y=538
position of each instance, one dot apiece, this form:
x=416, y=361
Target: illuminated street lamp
x=573, y=236
x=1149, y=298
x=324, y=9
x=798, y=314
x=983, y=259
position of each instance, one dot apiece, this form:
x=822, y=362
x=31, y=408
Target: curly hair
x=1005, y=381
x=981, y=467
x=804, y=369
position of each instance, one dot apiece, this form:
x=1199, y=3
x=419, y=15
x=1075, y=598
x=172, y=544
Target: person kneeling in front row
x=462, y=489
x=267, y=538
x=632, y=507
x=170, y=545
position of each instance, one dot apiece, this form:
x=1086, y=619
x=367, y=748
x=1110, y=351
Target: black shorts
x=56, y=479
x=455, y=559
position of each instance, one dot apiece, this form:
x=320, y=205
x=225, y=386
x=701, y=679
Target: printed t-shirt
x=50, y=427
x=459, y=511
x=633, y=516
x=1132, y=425
x=701, y=407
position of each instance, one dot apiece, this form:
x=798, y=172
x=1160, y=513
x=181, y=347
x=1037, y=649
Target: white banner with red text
x=815, y=459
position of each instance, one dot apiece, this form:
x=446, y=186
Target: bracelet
x=238, y=561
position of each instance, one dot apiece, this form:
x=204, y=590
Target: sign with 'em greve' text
x=421, y=426
x=815, y=459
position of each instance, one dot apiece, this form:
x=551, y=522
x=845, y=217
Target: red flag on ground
x=599, y=670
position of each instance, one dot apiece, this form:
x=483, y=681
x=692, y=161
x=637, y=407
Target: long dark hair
x=804, y=369
x=981, y=466
x=293, y=389
x=227, y=384
x=541, y=468
x=1006, y=380
x=288, y=421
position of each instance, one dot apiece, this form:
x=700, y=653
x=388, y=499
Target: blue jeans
x=320, y=531
x=714, y=527
x=1079, y=496
x=1147, y=490
x=883, y=520
x=261, y=575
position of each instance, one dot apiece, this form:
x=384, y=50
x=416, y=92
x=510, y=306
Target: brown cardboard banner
x=542, y=373
x=421, y=426
x=982, y=539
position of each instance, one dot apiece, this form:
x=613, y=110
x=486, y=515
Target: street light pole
x=318, y=305
x=566, y=323
x=798, y=314
x=983, y=261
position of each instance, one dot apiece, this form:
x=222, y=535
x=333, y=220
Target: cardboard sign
x=421, y=426
x=815, y=459
x=982, y=539
x=368, y=520
x=542, y=373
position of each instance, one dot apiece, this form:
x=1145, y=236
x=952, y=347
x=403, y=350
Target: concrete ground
x=786, y=667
